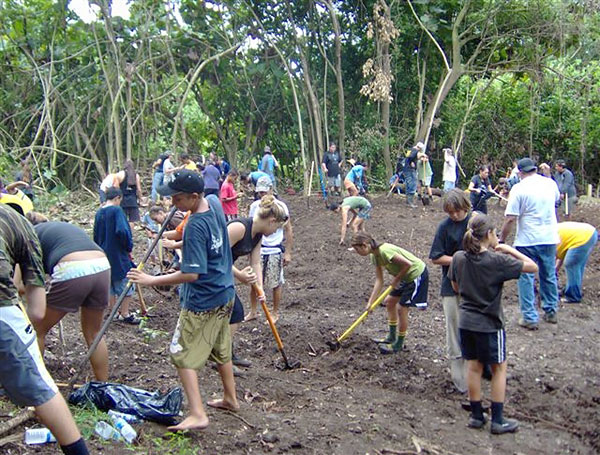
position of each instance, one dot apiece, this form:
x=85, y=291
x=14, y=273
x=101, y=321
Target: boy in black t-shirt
x=477, y=275
x=447, y=241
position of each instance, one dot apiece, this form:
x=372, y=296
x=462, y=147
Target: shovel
x=118, y=303
x=335, y=345
x=287, y=364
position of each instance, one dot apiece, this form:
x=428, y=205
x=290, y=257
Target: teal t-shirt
x=356, y=202
x=386, y=253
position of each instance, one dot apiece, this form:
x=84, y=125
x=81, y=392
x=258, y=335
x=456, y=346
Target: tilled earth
x=356, y=401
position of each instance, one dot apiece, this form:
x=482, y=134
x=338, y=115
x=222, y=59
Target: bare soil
x=355, y=400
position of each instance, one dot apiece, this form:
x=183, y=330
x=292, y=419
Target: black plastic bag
x=154, y=406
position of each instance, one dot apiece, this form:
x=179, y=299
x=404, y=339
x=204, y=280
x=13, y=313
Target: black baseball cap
x=526, y=165
x=185, y=181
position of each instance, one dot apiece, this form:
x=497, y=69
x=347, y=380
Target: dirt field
x=356, y=401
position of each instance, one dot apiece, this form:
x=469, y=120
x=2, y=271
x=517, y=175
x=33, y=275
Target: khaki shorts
x=202, y=336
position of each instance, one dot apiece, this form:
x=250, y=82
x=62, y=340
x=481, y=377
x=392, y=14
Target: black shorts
x=133, y=214
x=486, y=347
x=237, y=314
x=413, y=293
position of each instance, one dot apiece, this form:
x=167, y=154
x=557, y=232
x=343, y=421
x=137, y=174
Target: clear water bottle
x=39, y=436
x=106, y=431
x=129, y=418
x=126, y=430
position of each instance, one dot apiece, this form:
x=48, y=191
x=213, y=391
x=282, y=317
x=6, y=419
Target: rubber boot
x=391, y=336
x=392, y=348
x=410, y=200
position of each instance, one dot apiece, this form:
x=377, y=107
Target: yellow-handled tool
x=337, y=343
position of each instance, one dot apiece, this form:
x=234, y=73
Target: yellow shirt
x=191, y=166
x=572, y=235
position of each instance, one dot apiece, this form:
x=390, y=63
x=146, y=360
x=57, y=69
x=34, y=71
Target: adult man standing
x=331, y=166
x=449, y=172
x=268, y=165
x=157, y=177
x=410, y=171
x=531, y=207
x=566, y=185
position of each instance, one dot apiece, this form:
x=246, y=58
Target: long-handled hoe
x=287, y=364
x=335, y=345
x=119, y=301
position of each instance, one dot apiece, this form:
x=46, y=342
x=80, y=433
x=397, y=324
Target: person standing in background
x=566, y=185
x=268, y=165
x=449, y=172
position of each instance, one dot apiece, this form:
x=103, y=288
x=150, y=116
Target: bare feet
x=275, y=318
x=224, y=405
x=250, y=317
x=191, y=422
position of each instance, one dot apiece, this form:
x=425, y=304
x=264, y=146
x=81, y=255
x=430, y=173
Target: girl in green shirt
x=410, y=282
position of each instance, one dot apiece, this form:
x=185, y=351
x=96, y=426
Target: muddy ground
x=356, y=401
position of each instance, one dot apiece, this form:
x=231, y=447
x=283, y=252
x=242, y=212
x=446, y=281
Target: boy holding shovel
x=207, y=296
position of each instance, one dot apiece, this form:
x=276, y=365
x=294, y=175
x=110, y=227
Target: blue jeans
x=157, y=180
x=448, y=185
x=544, y=256
x=410, y=179
x=574, y=263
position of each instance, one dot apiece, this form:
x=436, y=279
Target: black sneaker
x=131, y=319
x=476, y=423
x=507, y=426
x=240, y=362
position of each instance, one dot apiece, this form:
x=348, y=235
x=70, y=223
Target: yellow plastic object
x=18, y=201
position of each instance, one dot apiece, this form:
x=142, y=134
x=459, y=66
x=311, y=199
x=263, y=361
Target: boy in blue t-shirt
x=207, y=295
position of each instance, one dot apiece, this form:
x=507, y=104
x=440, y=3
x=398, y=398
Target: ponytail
x=479, y=227
x=269, y=208
x=363, y=238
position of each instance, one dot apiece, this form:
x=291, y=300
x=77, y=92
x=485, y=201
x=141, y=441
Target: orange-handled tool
x=261, y=296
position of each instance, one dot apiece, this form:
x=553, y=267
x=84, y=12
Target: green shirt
x=18, y=245
x=356, y=202
x=386, y=253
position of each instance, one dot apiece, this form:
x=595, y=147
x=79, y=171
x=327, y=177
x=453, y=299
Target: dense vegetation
x=495, y=79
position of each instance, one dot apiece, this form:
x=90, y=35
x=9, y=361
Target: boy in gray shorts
x=22, y=372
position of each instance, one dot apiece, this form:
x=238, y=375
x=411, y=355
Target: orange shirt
x=181, y=225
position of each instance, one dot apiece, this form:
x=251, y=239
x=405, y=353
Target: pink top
x=227, y=191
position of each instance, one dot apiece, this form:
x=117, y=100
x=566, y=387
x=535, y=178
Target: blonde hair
x=36, y=217
x=269, y=208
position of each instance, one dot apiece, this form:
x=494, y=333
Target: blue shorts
x=365, y=213
x=118, y=286
x=483, y=346
x=413, y=293
x=237, y=314
x=22, y=371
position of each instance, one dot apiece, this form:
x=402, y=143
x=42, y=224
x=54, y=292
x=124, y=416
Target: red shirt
x=228, y=191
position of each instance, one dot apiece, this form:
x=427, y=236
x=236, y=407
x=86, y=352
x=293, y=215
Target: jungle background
x=496, y=80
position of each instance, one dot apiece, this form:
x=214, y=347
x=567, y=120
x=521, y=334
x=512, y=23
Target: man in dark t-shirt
x=331, y=166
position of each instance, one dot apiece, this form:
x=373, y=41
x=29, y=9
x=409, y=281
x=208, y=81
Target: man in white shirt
x=531, y=206
x=276, y=252
x=449, y=173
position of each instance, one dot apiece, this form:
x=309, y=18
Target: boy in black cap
x=207, y=295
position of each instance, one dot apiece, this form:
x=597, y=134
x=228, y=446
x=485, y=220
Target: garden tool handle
x=363, y=316
x=261, y=296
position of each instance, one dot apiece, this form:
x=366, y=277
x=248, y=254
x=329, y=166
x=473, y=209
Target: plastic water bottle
x=106, y=431
x=126, y=430
x=129, y=418
x=39, y=436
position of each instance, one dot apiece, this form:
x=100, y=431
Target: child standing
x=207, y=295
x=447, y=241
x=229, y=196
x=410, y=283
x=478, y=274
x=113, y=234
